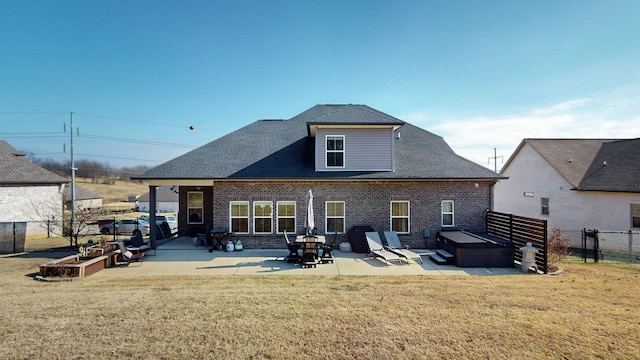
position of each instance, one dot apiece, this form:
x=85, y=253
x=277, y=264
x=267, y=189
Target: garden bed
x=77, y=266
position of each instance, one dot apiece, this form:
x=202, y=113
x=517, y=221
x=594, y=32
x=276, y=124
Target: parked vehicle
x=170, y=220
x=126, y=226
x=103, y=222
x=160, y=218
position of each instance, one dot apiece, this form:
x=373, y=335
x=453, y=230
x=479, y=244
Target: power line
x=140, y=121
x=116, y=157
x=135, y=141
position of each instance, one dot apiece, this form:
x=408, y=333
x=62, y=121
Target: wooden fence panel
x=520, y=230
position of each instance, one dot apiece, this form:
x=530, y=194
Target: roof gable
x=81, y=194
x=283, y=149
x=163, y=194
x=581, y=162
x=15, y=168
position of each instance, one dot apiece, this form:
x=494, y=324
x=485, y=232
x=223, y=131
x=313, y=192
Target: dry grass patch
x=116, y=192
x=591, y=311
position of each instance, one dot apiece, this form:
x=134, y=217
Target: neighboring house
x=574, y=183
x=166, y=200
x=28, y=193
x=85, y=199
x=364, y=167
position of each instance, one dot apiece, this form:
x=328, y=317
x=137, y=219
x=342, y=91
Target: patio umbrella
x=308, y=221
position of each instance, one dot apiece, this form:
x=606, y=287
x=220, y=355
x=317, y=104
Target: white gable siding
x=364, y=149
x=31, y=204
x=569, y=209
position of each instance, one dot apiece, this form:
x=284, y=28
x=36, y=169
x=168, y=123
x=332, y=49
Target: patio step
x=444, y=254
x=437, y=259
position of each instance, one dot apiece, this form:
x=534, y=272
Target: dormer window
x=335, y=151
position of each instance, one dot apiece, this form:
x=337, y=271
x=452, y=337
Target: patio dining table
x=310, y=245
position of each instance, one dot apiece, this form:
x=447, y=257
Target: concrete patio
x=181, y=257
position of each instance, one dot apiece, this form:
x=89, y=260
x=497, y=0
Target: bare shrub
x=558, y=245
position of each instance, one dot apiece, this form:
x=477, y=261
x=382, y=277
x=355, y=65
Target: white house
x=574, y=183
x=28, y=193
x=166, y=200
x=85, y=199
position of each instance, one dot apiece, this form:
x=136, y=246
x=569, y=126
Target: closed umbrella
x=308, y=221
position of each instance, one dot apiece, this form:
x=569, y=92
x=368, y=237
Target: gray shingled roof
x=16, y=169
x=283, y=149
x=81, y=194
x=622, y=169
x=163, y=194
x=581, y=162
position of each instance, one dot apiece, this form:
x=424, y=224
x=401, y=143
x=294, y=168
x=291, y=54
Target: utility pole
x=73, y=178
x=495, y=160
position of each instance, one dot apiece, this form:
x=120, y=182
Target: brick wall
x=366, y=203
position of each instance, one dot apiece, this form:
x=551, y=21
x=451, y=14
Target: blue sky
x=481, y=74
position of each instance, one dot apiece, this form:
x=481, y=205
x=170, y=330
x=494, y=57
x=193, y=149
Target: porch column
x=152, y=216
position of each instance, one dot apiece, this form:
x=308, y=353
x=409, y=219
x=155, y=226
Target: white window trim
x=195, y=207
x=295, y=220
x=327, y=151
x=542, y=207
x=452, y=213
x=255, y=217
x=231, y=217
x=326, y=216
x=408, y=217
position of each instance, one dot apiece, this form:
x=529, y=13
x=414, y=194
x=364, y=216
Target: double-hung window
x=262, y=217
x=239, y=217
x=544, y=206
x=286, y=216
x=334, y=217
x=400, y=217
x=194, y=207
x=335, y=151
x=635, y=216
x=447, y=213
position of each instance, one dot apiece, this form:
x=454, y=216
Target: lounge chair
x=293, y=250
x=377, y=249
x=128, y=256
x=395, y=246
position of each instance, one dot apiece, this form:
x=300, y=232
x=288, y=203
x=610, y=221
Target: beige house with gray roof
x=28, y=193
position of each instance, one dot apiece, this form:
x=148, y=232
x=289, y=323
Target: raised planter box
x=77, y=265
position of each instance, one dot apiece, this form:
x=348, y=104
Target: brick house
x=363, y=166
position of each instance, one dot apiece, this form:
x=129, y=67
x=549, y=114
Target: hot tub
x=476, y=250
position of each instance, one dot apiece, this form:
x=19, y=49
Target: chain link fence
x=12, y=237
x=620, y=246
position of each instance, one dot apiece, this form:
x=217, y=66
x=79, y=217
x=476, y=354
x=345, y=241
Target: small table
x=309, y=245
x=218, y=234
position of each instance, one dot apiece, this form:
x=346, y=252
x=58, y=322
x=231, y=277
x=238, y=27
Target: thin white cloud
x=475, y=137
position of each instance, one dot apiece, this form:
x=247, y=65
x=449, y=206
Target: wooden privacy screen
x=520, y=230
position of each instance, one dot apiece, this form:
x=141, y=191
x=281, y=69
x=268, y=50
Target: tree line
x=90, y=169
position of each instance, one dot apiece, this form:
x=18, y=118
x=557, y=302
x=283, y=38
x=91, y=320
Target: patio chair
x=128, y=256
x=293, y=250
x=326, y=256
x=395, y=246
x=377, y=249
x=138, y=243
